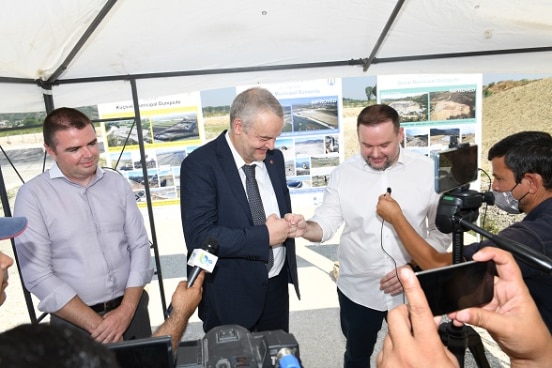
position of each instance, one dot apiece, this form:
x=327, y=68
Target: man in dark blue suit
x=249, y=285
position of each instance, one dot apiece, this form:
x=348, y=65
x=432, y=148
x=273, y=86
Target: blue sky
x=218, y=97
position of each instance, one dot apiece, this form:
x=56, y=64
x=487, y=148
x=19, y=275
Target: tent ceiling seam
x=82, y=41
x=325, y=64
x=351, y=62
x=383, y=34
x=462, y=54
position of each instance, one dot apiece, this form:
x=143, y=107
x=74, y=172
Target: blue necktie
x=256, y=203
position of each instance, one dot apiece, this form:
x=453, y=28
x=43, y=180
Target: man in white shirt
x=370, y=252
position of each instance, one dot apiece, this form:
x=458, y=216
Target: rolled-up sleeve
x=141, y=271
x=34, y=252
x=86, y=241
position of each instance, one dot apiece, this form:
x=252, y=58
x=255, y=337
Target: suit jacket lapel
x=228, y=166
x=272, y=168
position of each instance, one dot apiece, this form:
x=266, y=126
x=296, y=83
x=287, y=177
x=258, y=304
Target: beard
x=387, y=163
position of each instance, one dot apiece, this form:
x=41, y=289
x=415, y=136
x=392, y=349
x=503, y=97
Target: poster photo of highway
x=171, y=157
x=164, y=120
x=311, y=127
x=123, y=133
x=412, y=107
x=175, y=128
x=310, y=114
x=452, y=104
x=172, y=126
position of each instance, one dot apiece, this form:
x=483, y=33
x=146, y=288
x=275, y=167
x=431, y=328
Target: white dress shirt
x=270, y=203
x=351, y=198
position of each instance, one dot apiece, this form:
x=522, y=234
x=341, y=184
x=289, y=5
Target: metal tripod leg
x=457, y=339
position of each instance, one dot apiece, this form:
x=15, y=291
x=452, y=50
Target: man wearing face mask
x=522, y=171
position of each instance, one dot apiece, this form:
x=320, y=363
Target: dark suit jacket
x=214, y=203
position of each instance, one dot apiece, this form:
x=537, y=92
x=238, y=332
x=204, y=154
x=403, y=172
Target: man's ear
x=51, y=151
x=237, y=126
x=535, y=181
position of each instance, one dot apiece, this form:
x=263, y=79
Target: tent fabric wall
x=64, y=44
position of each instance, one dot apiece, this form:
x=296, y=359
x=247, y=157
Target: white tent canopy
x=82, y=53
x=176, y=46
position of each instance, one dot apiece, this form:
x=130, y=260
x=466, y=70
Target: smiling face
x=379, y=144
x=252, y=143
x=76, y=153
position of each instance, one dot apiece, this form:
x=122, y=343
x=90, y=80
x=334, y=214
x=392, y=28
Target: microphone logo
x=205, y=260
x=201, y=259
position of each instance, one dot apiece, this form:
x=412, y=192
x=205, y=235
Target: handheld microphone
x=201, y=259
x=388, y=190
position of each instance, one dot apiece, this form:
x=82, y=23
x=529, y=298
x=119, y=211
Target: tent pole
x=47, y=95
x=49, y=105
x=138, y=121
x=82, y=41
x=383, y=34
x=7, y=213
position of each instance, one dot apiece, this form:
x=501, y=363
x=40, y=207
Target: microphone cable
x=393, y=259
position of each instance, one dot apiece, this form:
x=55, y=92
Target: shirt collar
x=237, y=158
x=402, y=158
x=55, y=173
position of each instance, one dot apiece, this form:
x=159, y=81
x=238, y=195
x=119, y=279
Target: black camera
x=455, y=167
x=232, y=346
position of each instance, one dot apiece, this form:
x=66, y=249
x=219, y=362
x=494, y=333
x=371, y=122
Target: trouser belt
x=107, y=306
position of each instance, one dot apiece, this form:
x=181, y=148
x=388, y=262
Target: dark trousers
x=275, y=314
x=360, y=325
x=139, y=327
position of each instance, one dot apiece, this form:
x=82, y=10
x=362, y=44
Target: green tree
x=368, y=91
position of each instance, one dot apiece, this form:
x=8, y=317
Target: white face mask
x=506, y=201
